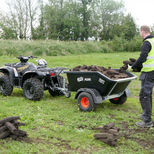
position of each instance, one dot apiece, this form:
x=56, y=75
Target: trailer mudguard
x=95, y=94
x=127, y=92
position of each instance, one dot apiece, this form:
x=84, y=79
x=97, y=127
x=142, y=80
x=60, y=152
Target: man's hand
x=130, y=69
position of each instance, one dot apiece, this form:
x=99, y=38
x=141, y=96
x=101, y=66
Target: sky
x=141, y=10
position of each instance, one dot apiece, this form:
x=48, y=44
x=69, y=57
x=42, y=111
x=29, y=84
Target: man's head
x=144, y=31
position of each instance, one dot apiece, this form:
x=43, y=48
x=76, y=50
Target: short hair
x=145, y=28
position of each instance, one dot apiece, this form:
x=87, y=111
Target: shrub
x=121, y=44
x=118, y=44
x=55, y=48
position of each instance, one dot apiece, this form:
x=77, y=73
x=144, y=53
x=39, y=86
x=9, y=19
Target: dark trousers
x=146, y=96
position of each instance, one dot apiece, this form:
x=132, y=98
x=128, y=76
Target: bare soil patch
x=130, y=134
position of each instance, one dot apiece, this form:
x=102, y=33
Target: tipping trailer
x=94, y=87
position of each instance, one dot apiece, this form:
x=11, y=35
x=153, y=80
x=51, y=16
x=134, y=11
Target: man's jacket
x=145, y=49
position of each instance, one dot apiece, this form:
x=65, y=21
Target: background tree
x=85, y=18
x=21, y=17
x=40, y=31
x=128, y=27
x=8, y=29
x=67, y=20
x=109, y=12
x=32, y=11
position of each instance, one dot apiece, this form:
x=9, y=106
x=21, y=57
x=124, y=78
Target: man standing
x=145, y=64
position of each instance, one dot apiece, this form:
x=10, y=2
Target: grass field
x=55, y=125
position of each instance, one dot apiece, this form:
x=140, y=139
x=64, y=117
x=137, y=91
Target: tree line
x=67, y=20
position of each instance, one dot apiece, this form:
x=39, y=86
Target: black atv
x=32, y=79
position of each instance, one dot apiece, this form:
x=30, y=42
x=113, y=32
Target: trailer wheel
x=85, y=102
x=119, y=100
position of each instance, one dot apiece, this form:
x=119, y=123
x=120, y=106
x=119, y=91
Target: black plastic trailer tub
x=99, y=86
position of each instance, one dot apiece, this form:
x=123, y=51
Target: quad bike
x=32, y=79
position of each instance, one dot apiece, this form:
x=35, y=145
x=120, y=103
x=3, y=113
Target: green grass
x=55, y=125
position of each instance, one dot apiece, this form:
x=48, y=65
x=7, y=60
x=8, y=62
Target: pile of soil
x=109, y=134
x=111, y=73
x=9, y=127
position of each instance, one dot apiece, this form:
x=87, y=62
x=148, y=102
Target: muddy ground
x=131, y=134
x=124, y=131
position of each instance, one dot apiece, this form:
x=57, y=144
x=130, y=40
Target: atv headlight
x=42, y=62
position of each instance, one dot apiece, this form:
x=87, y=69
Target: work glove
x=129, y=68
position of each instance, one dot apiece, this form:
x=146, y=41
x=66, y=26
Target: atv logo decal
x=101, y=81
x=22, y=68
x=87, y=79
x=80, y=79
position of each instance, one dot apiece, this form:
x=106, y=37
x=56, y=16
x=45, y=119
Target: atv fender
x=30, y=74
x=95, y=94
x=9, y=71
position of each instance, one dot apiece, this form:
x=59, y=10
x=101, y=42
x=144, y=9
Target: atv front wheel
x=33, y=89
x=5, y=86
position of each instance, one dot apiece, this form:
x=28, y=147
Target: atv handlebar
x=32, y=57
x=24, y=59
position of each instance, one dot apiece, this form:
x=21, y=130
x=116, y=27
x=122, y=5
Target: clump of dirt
x=111, y=73
x=130, y=62
x=9, y=127
x=109, y=134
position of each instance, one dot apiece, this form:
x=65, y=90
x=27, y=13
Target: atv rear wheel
x=119, y=100
x=33, y=89
x=5, y=86
x=86, y=102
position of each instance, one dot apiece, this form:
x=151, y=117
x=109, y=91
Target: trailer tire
x=5, y=86
x=119, y=100
x=33, y=89
x=86, y=102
